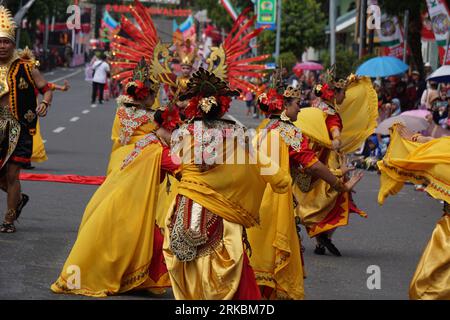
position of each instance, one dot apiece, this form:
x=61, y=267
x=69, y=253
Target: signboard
x=439, y=19
x=440, y=23
x=267, y=13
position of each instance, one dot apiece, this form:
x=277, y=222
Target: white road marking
x=85, y=111
x=235, y=120
x=93, y=105
x=67, y=76
x=74, y=119
x=59, y=130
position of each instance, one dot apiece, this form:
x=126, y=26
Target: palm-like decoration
x=206, y=84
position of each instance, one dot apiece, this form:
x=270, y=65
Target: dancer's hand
x=335, y=144
x=346, y=169
x=42, y=109
x=405, y=133
x=349, y=185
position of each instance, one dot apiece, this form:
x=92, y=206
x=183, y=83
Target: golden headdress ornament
x=187, y=53
x=292, y=92
x=7, y=24
x=335, y=83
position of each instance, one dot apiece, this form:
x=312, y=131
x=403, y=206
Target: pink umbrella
x=417, y=113
x=308, y=65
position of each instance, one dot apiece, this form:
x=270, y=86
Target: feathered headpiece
x=134, y=42
x=205, y=91
x=327, y=90
x=227, y=61
x=7, y=24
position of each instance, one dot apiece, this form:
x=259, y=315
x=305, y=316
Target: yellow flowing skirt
x=114, y=247
x=431, y=281
x=215, y=276
x=39, y=154
x=322, y=208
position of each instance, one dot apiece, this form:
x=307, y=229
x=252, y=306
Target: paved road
x=392, y=237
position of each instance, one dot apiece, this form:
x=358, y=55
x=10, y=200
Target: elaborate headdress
x=187, y=53
x=327, y=89
x=140, y=85
x=7, y=24
x=226, y=61
x=132, y=43
x=205, y=91
x=272, y=102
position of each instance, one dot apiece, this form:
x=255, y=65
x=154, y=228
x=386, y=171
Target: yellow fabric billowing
x=431, y=281
x=119, y=151
x=312, y=123
x=215, y=276
x=114, y=246
x=359, y=113
x=39, y=154
x=427, y=163
x=276, y=258
x=232, y=191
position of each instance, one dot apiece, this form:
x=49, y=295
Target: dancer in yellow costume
x=119, y=246
x=276, y=257
x=218, y=197
x=422, y=160
x=342, y=118
x=39, y=154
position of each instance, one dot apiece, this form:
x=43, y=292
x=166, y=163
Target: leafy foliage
x=302, y=26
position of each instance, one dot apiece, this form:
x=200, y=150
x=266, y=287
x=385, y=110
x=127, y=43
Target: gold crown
x=292, y=92
x=7, y=24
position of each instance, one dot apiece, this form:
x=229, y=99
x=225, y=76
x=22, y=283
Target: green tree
x=302, y=26
x=415, y=8
x=288, y=60
x=345, y=61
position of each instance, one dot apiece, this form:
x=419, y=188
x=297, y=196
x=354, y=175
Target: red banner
x=427, y=27
x=153, y=11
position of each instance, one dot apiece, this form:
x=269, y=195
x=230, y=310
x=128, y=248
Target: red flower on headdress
x=325, y=92
x=192, y=110
x=225, y=103
x=171, y=118
x=137, y=90
x=273, y=100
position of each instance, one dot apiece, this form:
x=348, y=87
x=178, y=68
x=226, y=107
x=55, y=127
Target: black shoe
x=320, y=250
x=27, y=166
x=326, y=242
x=23, y=202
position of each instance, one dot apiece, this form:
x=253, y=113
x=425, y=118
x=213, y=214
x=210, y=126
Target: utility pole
x=277, y=43
x=405, y=40
x=19, y=27
x=332, y=32
x=362, y=28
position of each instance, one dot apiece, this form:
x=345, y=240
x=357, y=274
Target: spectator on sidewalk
x=101, y=73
